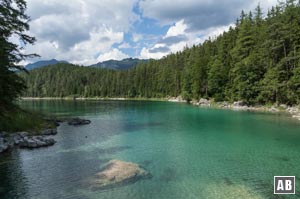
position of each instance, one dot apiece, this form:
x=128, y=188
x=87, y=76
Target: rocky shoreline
x=25, y=140
x=42, y=139
x=294, y=111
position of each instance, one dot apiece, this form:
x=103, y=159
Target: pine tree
x=14, y=22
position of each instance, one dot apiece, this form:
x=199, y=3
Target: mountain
x=119, y=65
x=42, y=63
x=110, y=64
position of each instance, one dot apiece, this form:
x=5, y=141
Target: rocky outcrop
x=204, y=102
x=117, y=173
x=36, y=142
x=24, y=140
x=294, y=111
x=78, y=121
x=224, y=105
x=240, y=105
x=273, y=109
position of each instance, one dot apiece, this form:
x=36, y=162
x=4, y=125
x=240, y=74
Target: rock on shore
x=242, y=106
x=36, y=142
x=117, y=173
x=176, y=99
x=202, y=102
x=294, y=111
x=24, y=140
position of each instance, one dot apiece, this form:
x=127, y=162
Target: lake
x=191, y=152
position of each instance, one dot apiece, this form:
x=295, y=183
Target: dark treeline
x=257, y=62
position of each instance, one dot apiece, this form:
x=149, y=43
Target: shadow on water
x=169, y=174
x=146, y=163
x=228, y=181
x=283, y=158
x=95, y=188
x=12, y=178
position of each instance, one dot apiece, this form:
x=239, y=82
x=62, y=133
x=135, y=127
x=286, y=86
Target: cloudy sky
x=89, y=31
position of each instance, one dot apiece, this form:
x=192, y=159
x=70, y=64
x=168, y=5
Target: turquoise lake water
x=191, y=152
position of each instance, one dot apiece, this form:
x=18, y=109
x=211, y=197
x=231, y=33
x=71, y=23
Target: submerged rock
x=117, y=173
x=78, y=121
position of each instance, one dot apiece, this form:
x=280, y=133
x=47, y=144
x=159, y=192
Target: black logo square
x=284, y=184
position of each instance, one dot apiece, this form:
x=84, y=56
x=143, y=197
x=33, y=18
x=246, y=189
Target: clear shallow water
x=191, y=152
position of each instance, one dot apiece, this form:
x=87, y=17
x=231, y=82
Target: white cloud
x=125, y=45
x=78, y=31
x=146, y=54
x=83, y=53
x=100, y=42
x=113, y=54
x=181, y=38
x=178, y=29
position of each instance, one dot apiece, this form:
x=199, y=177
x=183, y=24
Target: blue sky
x=89, y=31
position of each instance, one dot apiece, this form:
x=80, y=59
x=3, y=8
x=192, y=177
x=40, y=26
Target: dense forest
x=257, y=61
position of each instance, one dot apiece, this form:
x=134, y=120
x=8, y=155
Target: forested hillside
x=257, y=61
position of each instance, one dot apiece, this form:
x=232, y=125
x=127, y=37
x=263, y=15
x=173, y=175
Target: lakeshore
x=294, y=111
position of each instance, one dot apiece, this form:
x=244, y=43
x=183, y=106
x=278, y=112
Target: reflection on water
x=12, y=178
x=190, y=152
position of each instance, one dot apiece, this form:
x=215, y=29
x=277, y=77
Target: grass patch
x=16, y=120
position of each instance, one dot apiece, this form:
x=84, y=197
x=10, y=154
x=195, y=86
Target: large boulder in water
x=117, y=173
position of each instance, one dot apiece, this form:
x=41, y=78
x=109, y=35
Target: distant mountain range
x=119, y=65
x=110, y=64
x=42, y=63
